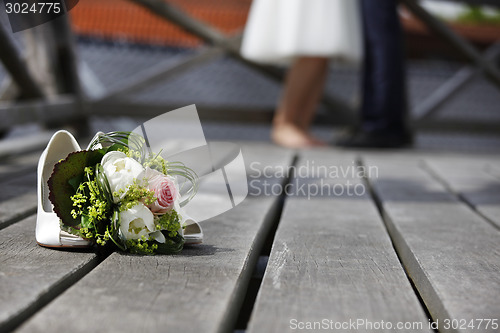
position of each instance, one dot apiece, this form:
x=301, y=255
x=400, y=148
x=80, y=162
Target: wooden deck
x=418, y=242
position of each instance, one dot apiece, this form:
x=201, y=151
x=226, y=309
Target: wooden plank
x=199, y=290
x=59, y=109
x=480, y=127
x=449, y=252
x=18, y=166
x=18, y=199
x=25, y=144
x=469, y=180
x=332, y=258
x=493, y=170
x=30, y=275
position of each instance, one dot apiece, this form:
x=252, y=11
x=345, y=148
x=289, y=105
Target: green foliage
x=134, y=194
x=64, y=179
x=92, y=206
x=169, y=223
x=172, y=245
x=141, y=246
x=157, y=163
x=476, y=15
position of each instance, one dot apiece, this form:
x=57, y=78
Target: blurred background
x=112, y=64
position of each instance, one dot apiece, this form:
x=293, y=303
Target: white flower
x=137, y=221
x=158, y=236
x=120, y=171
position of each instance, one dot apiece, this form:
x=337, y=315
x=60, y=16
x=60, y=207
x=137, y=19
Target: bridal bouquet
x=121, y=194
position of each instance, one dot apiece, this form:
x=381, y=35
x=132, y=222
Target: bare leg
x=303, y=87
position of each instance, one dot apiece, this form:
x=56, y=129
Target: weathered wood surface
x=469, y=179
x=199, y=290
x=448, y=250
x=17, y=199
x=18, y=166
x=22, y=145
x=332, y=258
x=493, y=170
x=30, y=275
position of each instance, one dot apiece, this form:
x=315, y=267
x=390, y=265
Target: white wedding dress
x=277, y=31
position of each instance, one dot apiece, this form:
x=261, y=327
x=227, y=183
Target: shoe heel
x=48, y=231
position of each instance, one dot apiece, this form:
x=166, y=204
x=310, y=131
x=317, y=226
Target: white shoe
x=190, y=229
x=48, y=230
x=193, y=234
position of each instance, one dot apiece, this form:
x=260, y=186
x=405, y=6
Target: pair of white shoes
x=48, y=230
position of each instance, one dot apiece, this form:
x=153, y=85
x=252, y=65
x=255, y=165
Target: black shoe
x=363, y=139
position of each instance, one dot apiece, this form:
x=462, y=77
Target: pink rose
x=166, y=191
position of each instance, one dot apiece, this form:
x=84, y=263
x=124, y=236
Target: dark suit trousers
x=384, y=84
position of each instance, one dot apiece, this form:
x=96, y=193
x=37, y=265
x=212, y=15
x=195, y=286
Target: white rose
x=120, y=171
x=138, y=221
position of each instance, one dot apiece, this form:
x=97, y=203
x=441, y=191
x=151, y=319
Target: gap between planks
x=332, y=259
x=207, y=290
x=463, y=184
x=447, y=249
x=32, y=276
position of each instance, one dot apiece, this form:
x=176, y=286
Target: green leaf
x=85, y=221
x=103, y=183
x=172, y=245
x=60, y=181
x=114, y=147
x=75, y=181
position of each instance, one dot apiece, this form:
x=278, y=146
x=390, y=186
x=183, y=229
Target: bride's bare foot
x=291, y=136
